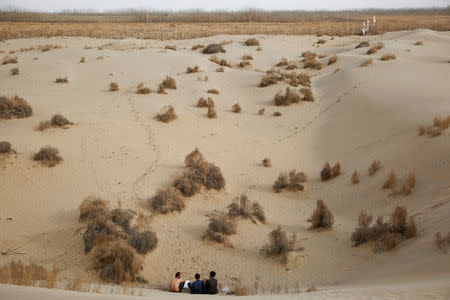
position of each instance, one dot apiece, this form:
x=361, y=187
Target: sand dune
x=118, y=150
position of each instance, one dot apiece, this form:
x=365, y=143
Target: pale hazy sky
x=57, y=5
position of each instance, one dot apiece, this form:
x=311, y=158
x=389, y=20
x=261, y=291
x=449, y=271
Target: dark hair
x=212, y=274
x=177, y=274
x=197, y=276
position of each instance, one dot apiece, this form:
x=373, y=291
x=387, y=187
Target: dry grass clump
x=321, y=41
x=439, y=125
x=9, y=60
x=409, y=184
x=48, y=47
x=244, y=63
x=220, y=69
x=332, y=59
x=241, y=207
x=214, y=91
x=307, y=94
x=48, y=156
x=308, y=54
x=259, y=49
x=14, y=71
x=62, y=80
x=388, y=56
x=328, y=172
x=321, y=217
x=143, y=242
x=236, y=108
x=83, y=59
x=93, y=208
x=221, y=62
x=213, y=49
x=197, y=46
x=269, y=79
x=261, y=111
x=161, y=89
x=311, y=288
x=374, y=167
x=212, y=112
x=311, y=63
x=171, y=47
x=57, y=120
x=385, y=235
x=87, y=47
x=355, y=177
x=391, y=182
x=375, y=48
x=113, y=87
x=283, y=62
x=17, y=273
x=419, y=43
x=247, y=57
x=289, y=97
x=363, y=44
x=442, y=243
x=280, y=245
x=141, y=89
x=367, y=62
x=291, y=181
x=291, y=66
x=202, y=102
x=267, y=162
x=251, y=42
x=277, y=114
x=5, y=147
x=166, y=201
x=167, y=114
x=14, y=107
x=169, y=83
x=219, y=228
x=193, y=70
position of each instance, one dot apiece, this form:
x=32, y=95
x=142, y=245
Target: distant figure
x=210, y=285
x=196, y=287
x=176, y=284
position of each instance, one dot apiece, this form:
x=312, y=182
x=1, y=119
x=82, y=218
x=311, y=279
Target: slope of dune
x=118, y=150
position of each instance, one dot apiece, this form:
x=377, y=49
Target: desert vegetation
x=141, y=89
x=17, y=273
x=14, y=107
x=167, y=114
x=169, y=83
x=83, y=59
x=213, y=91
x=9, y=60
x=62, y=80
x=243, y=208
x=261, y=111
x=236, y=108
x=291, y=180
x=355, y=177
x=288, y=98
x=375, y=48
x=310, y=61
x=307, y=94
x=213, y=49
x=167, y=201
x=363, y=44
x=192, y=69
x=391, y=182
x=171, y=47
x=251, y=42
x=438, y=126
x=409, y=184
x=197, y=46
x=48, y=156
x=329, y=172
x=321, y=217
x=279, y=245
x=57, y=120
x=442, y=243
x=374, y=167
x=219, y=228
x=113, y=87
x=267, y=162
x=14, y=71
x=332, y=59
x=366, y=62
x=5, y=147
x=418, y=43
x=212, y=112
x=244, y=63
x=388, y=56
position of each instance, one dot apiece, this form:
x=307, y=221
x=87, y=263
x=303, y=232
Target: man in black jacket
x=210, y=285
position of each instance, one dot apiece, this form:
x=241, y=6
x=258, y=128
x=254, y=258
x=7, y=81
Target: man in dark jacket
x=210, y=285
x=196, y=287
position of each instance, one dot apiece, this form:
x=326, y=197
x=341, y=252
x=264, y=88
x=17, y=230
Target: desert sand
x=118, y=151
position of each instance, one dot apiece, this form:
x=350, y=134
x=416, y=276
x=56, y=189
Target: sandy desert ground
x=118, y=151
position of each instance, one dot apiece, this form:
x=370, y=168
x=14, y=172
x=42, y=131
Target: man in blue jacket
x=196, y=287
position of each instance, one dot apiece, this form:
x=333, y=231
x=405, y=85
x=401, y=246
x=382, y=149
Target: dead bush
x=332, y=59
x=367, y=62
x=169, y=83
x=311, y=63
x=279, y=245
x=143, y=242
x=327, y=172
x=244, y=63
x=363, y=44
x=251, y=42
x=391, y=182
x=308, y=54
x=193, y=70
x=166, y=201
x=277, y=114
x=93, y=208
x=9, y=60
x=270, y=79
x=219, y=228
x=375, y=48
x=167, y=114
x=83, y=59
x=388, y=56
x=212, y=112
x=113, y=87
x=261, y=111
x=197, y=46
x=123, y=217
x=409, y=184
x=62, y=80
x=355, y=177
x=14, y=71
x=5, y=147
x=48, y=156
x=311, y=288
x=374, y=167
x=307, y=94
x=442, y=243
x=220, y=69
x=419, y=43
x=289, y=97
x=267, y=162
x=236, y=108
x=57, y=120
x=221, y=62
x=241, y=207
x=247, y=57
x=214, y=91
x=213, y=49
x=291, y=181
x=17, y=273
x=421, y=130
x=291, y=66
x=161, y=89
x=321, y=217
x=171, y=47
x=202, y=102
x=321, y=41
x=336, y=170
x=283, y=62
x=141, y=89
x=14, y=107
x=187, y=184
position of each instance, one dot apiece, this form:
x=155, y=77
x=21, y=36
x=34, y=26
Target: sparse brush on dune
x=280, y=245
x=48, y=156
x=62, y=80
x=289, y=97
x=328, y=172
x=409, y=184
x=187, y=184
x=367, y=62
x=219, y=228
x=251, y=42
x=244, y=63
x=48, y=47
x=17, y=273
x=311, y=63
x=247, y=57
x=322, y=55
x=202, y=102
x=291, y=181
x=375, y=48
x=267, y=162
x=83, y=59
x=363, y=44
x=277, y=114
x=321, y=217
x=14, y=107
x=321, y=41
x=141, y=89
x=442, y=243
x=192, y=70
x=385, y=235
x=307, y=94
x=9, y=60
x=213, y=91
x=242, y=207
x=388, y=56
x=213, y=49
x=236, y=108
x=283, y=62
x=437, y=128
x=57, y=120
x=220, y=69
x=166, y=201
x=355, y=177
x=261, y=111
x=332, y=59
x=259, y=49
x=291, y=66
x=421, y=130
x=113, y=87
x=270, y=79
x=161, y=89
x=212, y=112
x=167, y=114
x=92, y=208
x=14, y=71
x=374, y=167
x=5, y=147
x=197, y=46
x=210, y=102
x=391, y=182
x=171, y=47
x=309, y=54
x=143, y=242
x=169, y=83
x=419, y=43
x=220, y=61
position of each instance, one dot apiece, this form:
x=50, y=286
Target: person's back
x=196, y=287
x=211, y=284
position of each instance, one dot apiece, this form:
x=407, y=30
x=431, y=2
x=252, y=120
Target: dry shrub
x=311, y=63
x=236, y=108
x=321, y=217
x=161, y=89
x=374, y=167
x=48, y=47
x=388, y=56
x=197, y=46
x=187, y=184
x=308, y=54
x=442, y=243
x=291, y=181
x=14, y=71
x=219, y=228
x=9, y=60
x=169, y=83
x=322, y=55
x=122, y=217
x=14, y=107
x=247, y=57
x=118, y=262
x=93, y=208
x=241, y=207
x=409, y=184
x=391, y=182
x=367, y=62
x=83, y=59
x=283, y=62
x=167, y=114
x=267, y=162
x=363, y=44
x=202, y=102
x=375, y=48
x=355, y=177
x=311, y=288
x=332, y=59
x=143, y=242
x=171, y=47
x=291, y=66
x=386, y=235
x=5, y=147
x=251, y=42
x=321, y=41
x=48, y=156
x=213, y=49
x=244, y=63
x=220, y=69
x=113, y=87
x=277, y=114
x=193, y=70
x=212, y=112
x=17, y=273
x=327, y=172
x=214, y=91
x=259, y=49
x=270, y=79
x=141, y=89
x=57, y=120
x=210, y=102
x=62, y=80
x=194, y=158
x=87, y=47
x=279, y=245
x=421, y=130
x=307, y=94
x=261, y=111
x=419, y=43
x=221, y=62
x=289, y=97
x=166, y=201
